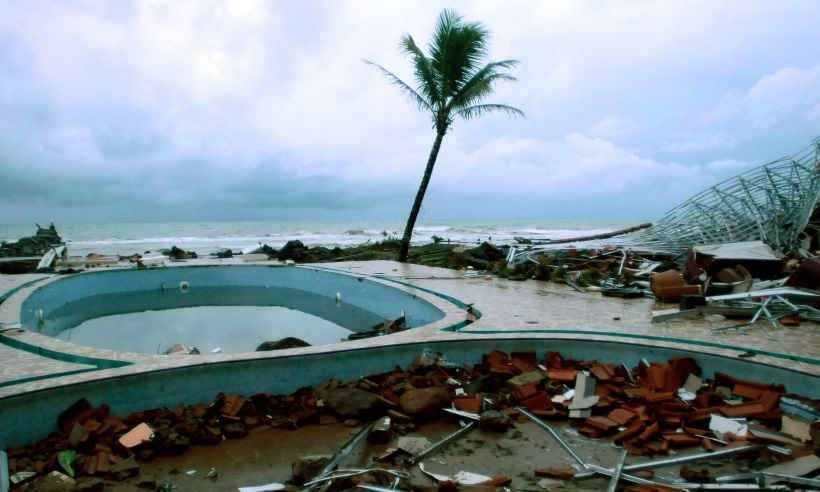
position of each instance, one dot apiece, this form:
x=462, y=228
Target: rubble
x=637, y=408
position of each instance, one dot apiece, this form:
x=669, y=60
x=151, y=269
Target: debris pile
x=654, y=409
x=37, y=245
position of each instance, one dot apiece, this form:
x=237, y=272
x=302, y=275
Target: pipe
x=619, y=468
x=679, y=460
x=445, y=440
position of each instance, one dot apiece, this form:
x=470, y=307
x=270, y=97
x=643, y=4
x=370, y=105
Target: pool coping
x=450, y=328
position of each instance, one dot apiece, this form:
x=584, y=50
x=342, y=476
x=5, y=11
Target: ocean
x=208, y=237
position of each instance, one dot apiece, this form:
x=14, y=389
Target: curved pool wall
x=31, y=416
x=69, y=301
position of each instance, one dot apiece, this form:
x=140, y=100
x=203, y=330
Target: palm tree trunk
x=414, y=212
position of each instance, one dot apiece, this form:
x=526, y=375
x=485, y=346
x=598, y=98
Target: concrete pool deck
x=509, y=309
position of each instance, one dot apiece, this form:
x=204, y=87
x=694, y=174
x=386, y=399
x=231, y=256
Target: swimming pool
x=215, y=308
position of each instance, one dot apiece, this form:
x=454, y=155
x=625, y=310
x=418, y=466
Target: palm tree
x=452, y=81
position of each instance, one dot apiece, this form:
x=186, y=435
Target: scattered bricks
x=707, y=444
x=136, y=436
x=470, y=404
x=638, y=393
x=592, y=432
x=354, y=403
x=679, y=369
x=525, y=378
x=538, y=402
x=727, y=380
x=630, y=432
x=621, y=416
x=76, y=413
x=425, y=402
x=681, y=440
x=524, y=361
x=744, y=410
x=499, y=363
x=770, y=400
x=657, y=397
x=649, y=432
x=525, y=391
x=601, y=423
x=746, y=391
x=656, y=375
x=559, y=473
x=232, y=405
x=562, y=375
x=603, y=372
x=498, y=481
x=495, y=421
x=553, y=360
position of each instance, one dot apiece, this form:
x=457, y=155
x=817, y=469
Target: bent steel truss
x=772, y=203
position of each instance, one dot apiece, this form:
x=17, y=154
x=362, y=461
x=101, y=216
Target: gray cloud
x=241, y=109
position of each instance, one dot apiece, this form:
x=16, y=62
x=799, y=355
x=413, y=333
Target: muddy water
x=266, y=455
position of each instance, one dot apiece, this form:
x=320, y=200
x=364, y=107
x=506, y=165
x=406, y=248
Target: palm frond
x=420, y=101
x=425, y=75
x=478, y=110
x=481, y=83
x=456, y=50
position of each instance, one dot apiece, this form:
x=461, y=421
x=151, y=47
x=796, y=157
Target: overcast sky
x=130, y=111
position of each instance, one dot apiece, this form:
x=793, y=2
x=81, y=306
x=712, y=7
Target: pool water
x=208, y=328
x=229, y=318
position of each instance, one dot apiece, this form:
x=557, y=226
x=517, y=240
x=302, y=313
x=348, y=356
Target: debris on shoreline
x=653, y=409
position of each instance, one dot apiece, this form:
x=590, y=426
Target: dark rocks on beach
x=281, y=344
x=179, y=254
x=267, y=250
x=486, y=252
x=36, y=245
x=293, y=250
x=353, y=403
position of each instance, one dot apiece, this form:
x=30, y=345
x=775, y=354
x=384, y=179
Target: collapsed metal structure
x=772, y=203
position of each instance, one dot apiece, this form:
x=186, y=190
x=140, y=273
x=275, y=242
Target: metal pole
x=445, y=440
x=540, y=423
x=680, y=460
x=613, y=484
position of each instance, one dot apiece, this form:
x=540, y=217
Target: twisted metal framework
x=772, y=203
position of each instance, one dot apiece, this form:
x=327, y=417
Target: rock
x=353, y=403
x=55, y=482
x=90, y=484
x=266, y=250
x=307, y=467
x=180, y=349
x=125, y=469
x=425, y=402
x=235, y=430
x=495, y=421
x=487, y=252
x=178, y=254
x=293, y=250
x=176, y=444
x=281, y=344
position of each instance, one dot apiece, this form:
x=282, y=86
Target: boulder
x=307, y=467
x=281, y=344
x=425, y=402
x=495, y=421
x=354, y=403
x=293, y=250
x=486, y=252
